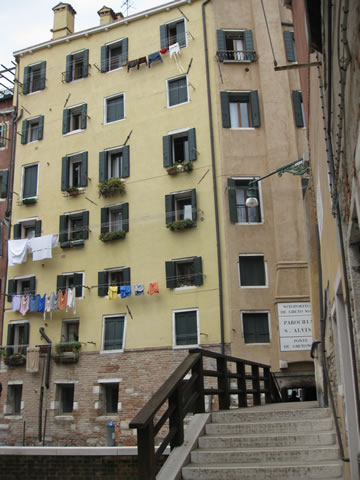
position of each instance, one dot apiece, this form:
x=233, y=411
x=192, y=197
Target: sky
x=25, y=23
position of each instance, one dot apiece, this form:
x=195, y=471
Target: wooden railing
x=185, y=391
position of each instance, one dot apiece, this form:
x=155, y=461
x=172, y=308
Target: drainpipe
x=213, y=168
x=47, y=383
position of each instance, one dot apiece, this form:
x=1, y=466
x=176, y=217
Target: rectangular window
x=70, y=330
x=114, y=327
x=115, y=277
x=74, y=118
x=181, y=206
x=34, y=78
x=185, y=328
x=239, y=211
x=114, y=55
x=77, y=66
x=17, y=337
x=240, y=109
x=74, y=171
x=70, y=280
x=4, y=176
x=184, y=272
x=115, y=218
x=65, y=397
x=74, y=227
x=173, y=32
x=179, y=148
x=235, y=46
x=3, y=135
x=252, y=271
x=27, y=229
x=29, y=181
x=114, y=108
x=290, y=47
x=256, y=327
x=298, y=106
x=114, y=163
x=13, y=406
x=32, y=130
x=109, y=394
x=177, y=90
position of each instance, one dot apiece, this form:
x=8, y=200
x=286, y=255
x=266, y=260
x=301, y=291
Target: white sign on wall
x=295, y=326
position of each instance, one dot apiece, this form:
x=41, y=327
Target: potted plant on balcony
x=73, y=191
x=179, y=225
x=13, y=359
x=109, y=236
x=111, y=187
x=67, y=352
x=179, y=168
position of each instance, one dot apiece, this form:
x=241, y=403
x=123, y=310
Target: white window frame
x=113, y=43
x=31, y=121
x=108, y=153
x=258, y=185
x=6, y=125
x=73, y=64
x=103, y=330
x=245, y=92
x=242, y=326
x=168, y=90
x=67, y=321
x=31, y=80
x=105, y=107
x=23, y=168
x=102, y=383
x=74, y=158
x=21, y=279
x=16, y=333
x=1, y=173
x=239, y=32
x=56, y=405
x=184, y=260
x=193, y=345
x=71, y=274
x=7, y=412
x=185, y=29
x=265, y=269
x=75, y=214
x=74, y=107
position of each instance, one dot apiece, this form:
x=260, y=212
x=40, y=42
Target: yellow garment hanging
x=112, y=292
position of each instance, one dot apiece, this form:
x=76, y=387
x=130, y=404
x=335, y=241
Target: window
x=32, y=130
x=115, y=277
x=185, y=328
x=74, y=171
x=239, y=212
x=114, y=55
x=74, y=118
x=4, y=175
x=77, y=66
x=179, y=147
x=29, y=181
x=34, y=78
x=4, y=134
x=181, y=206
x=18, y=337
x=65, y=397
x=235, y=46
x=114, y=332
x=184, y=272
x=27, y=229
x=109, y=395
x=177, y=90
x=290, y=48
x=21, y=286
x=256, y=327
x=240, y=109
x=70, y=330
x=114, y=163
x=13, y=405
x=173, y=32
x=70, y=280
x=115, y=218
x=74, y=227
x=298, y=106
x=252, y=271
x=114, y=108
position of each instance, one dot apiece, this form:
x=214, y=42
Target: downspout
x=213, y=168
x=47, y=383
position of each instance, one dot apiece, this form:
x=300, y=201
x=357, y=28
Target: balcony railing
x=237, y=56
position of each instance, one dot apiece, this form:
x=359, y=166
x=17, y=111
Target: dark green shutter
x=30, y=181
x=220, y=34
x=68, y=73
x=255, y=109
x=180, y=33
x=32, y=285
x=26, y=83
x=170, y=268
x=60, y=283
x=125, y=216
x=63, y=228
x=4, y=183
x=66, y=121
x=169, y=208
x=37, y=228
x=10, y=338
x=83, y=116
x=17, y=231
x=289, y=46
x=41, y=127
x=26, y=337
x=42, y=76
x=86, y=63
x=297, y=101
x=24, y=132
x=85, y=224
x=125, y=48
x=193, y=204
x=225, y=110
x=114, y=332
x=126, y=276
x=102, y=284
x=103, y=170
x=186, y=328
x=197, y=271
x=84, y=169
x=105, y=227
x=126, y=161
x=231, y=183
x=192, y=144
x=252, y=271
x=78, y=281
x=65, y=166
x=11, y=289
x=104, y=65
x=167, y=156
x=164, y=42
x=249, y=45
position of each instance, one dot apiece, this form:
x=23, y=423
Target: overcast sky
x=25, y=23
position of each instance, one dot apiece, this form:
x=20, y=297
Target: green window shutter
x=30, y=181
x=114, y=332
x=60, y=283
x=194, y=204
x=225, y=110
x=231, y=183
x=125, y=48
x=63, y=228
x=42, y=76
x=255, y=109
x=167, y=156
x=4, y=183
x=289, y=46
x=192, y=144
x=83, y=116
x=170, y=268
x=37, y=228
x=17, y=231
x=180, y=33
x=32, y=285
x=26, y=82
x=177, y=91
x=24, y=132
x=197, y=271
x=66, y=121
x=78, y=281
x=10, y=338
x=186, y=328
x=84, y=169
x=169, y=208
x=126, y=276
x=41, y=127
x=103, y=167
x=68, y=72
x=104, y=220
x=85, y=224
x=86, y=63
x=249, y=45
x=26, y=336
x=104, y=64
x=11, y=289
x=164, y=41
x=297, y=101
x=126, y=161
x=102, y=284
x=220, y=35
x=125, y=214
x=65, y=166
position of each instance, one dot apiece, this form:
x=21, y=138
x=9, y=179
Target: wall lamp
x=299, y=167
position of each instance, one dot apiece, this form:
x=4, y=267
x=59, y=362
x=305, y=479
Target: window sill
x=254, y=286
x=242, y=128
x=107, y=418
x=178, y=104
x=193, y=345
x=32, y=93
x=237, y=61
x=249, y=223
x=105, y=352
x=115, y=121
x=74, y=131
x=29, y=201
x=185, y=287
x=13, y=416
x=68, y=418
x=72, y=243
x=33, y=141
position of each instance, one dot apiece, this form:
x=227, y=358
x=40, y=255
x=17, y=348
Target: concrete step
x=270, y=440
x=260, y=415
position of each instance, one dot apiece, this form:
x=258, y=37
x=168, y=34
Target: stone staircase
x=294, y=441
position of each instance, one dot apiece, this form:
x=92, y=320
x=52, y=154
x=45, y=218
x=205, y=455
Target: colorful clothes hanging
x=153, y=288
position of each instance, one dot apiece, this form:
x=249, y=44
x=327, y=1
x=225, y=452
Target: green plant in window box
x=179, y=168
x=67, y=352
x=13, y=359
x=109, y=236
x=73, y=191
x=179, y=225
x=111, y=187
x=29, y=201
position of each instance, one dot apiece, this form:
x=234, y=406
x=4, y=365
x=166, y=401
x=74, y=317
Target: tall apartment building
x=145, y=184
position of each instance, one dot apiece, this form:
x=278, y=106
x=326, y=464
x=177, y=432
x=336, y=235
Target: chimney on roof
x=64, y=20
x=107, y=15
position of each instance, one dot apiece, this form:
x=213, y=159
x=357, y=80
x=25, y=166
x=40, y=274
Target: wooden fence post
x=223, y=384
x=146, y=457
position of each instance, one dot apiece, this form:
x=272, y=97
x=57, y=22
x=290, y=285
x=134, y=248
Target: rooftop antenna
x=127, y=4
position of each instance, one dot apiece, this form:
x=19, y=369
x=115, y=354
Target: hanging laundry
x=140, y=61
x=71, y=299
x=32, y=359
x=174, y=49
x=125, y=291
x=32, y=303
x=41, y=247
x=163, y=51
x=154, y=57
x=15, y=303
x=24, y=304
x=112, y=292
x=17, y=251
x=139, y=290
x=55, y=299
x=132, y=64
x=62, y=299
x=153, y=288
x=41, y=303
x=49, y=301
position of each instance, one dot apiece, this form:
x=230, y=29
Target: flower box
x=29, y=201
x=111, y=187
x=180, y=168
x=109, y=236
x=180, y=225
x=15, y=360
x=67, y=352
